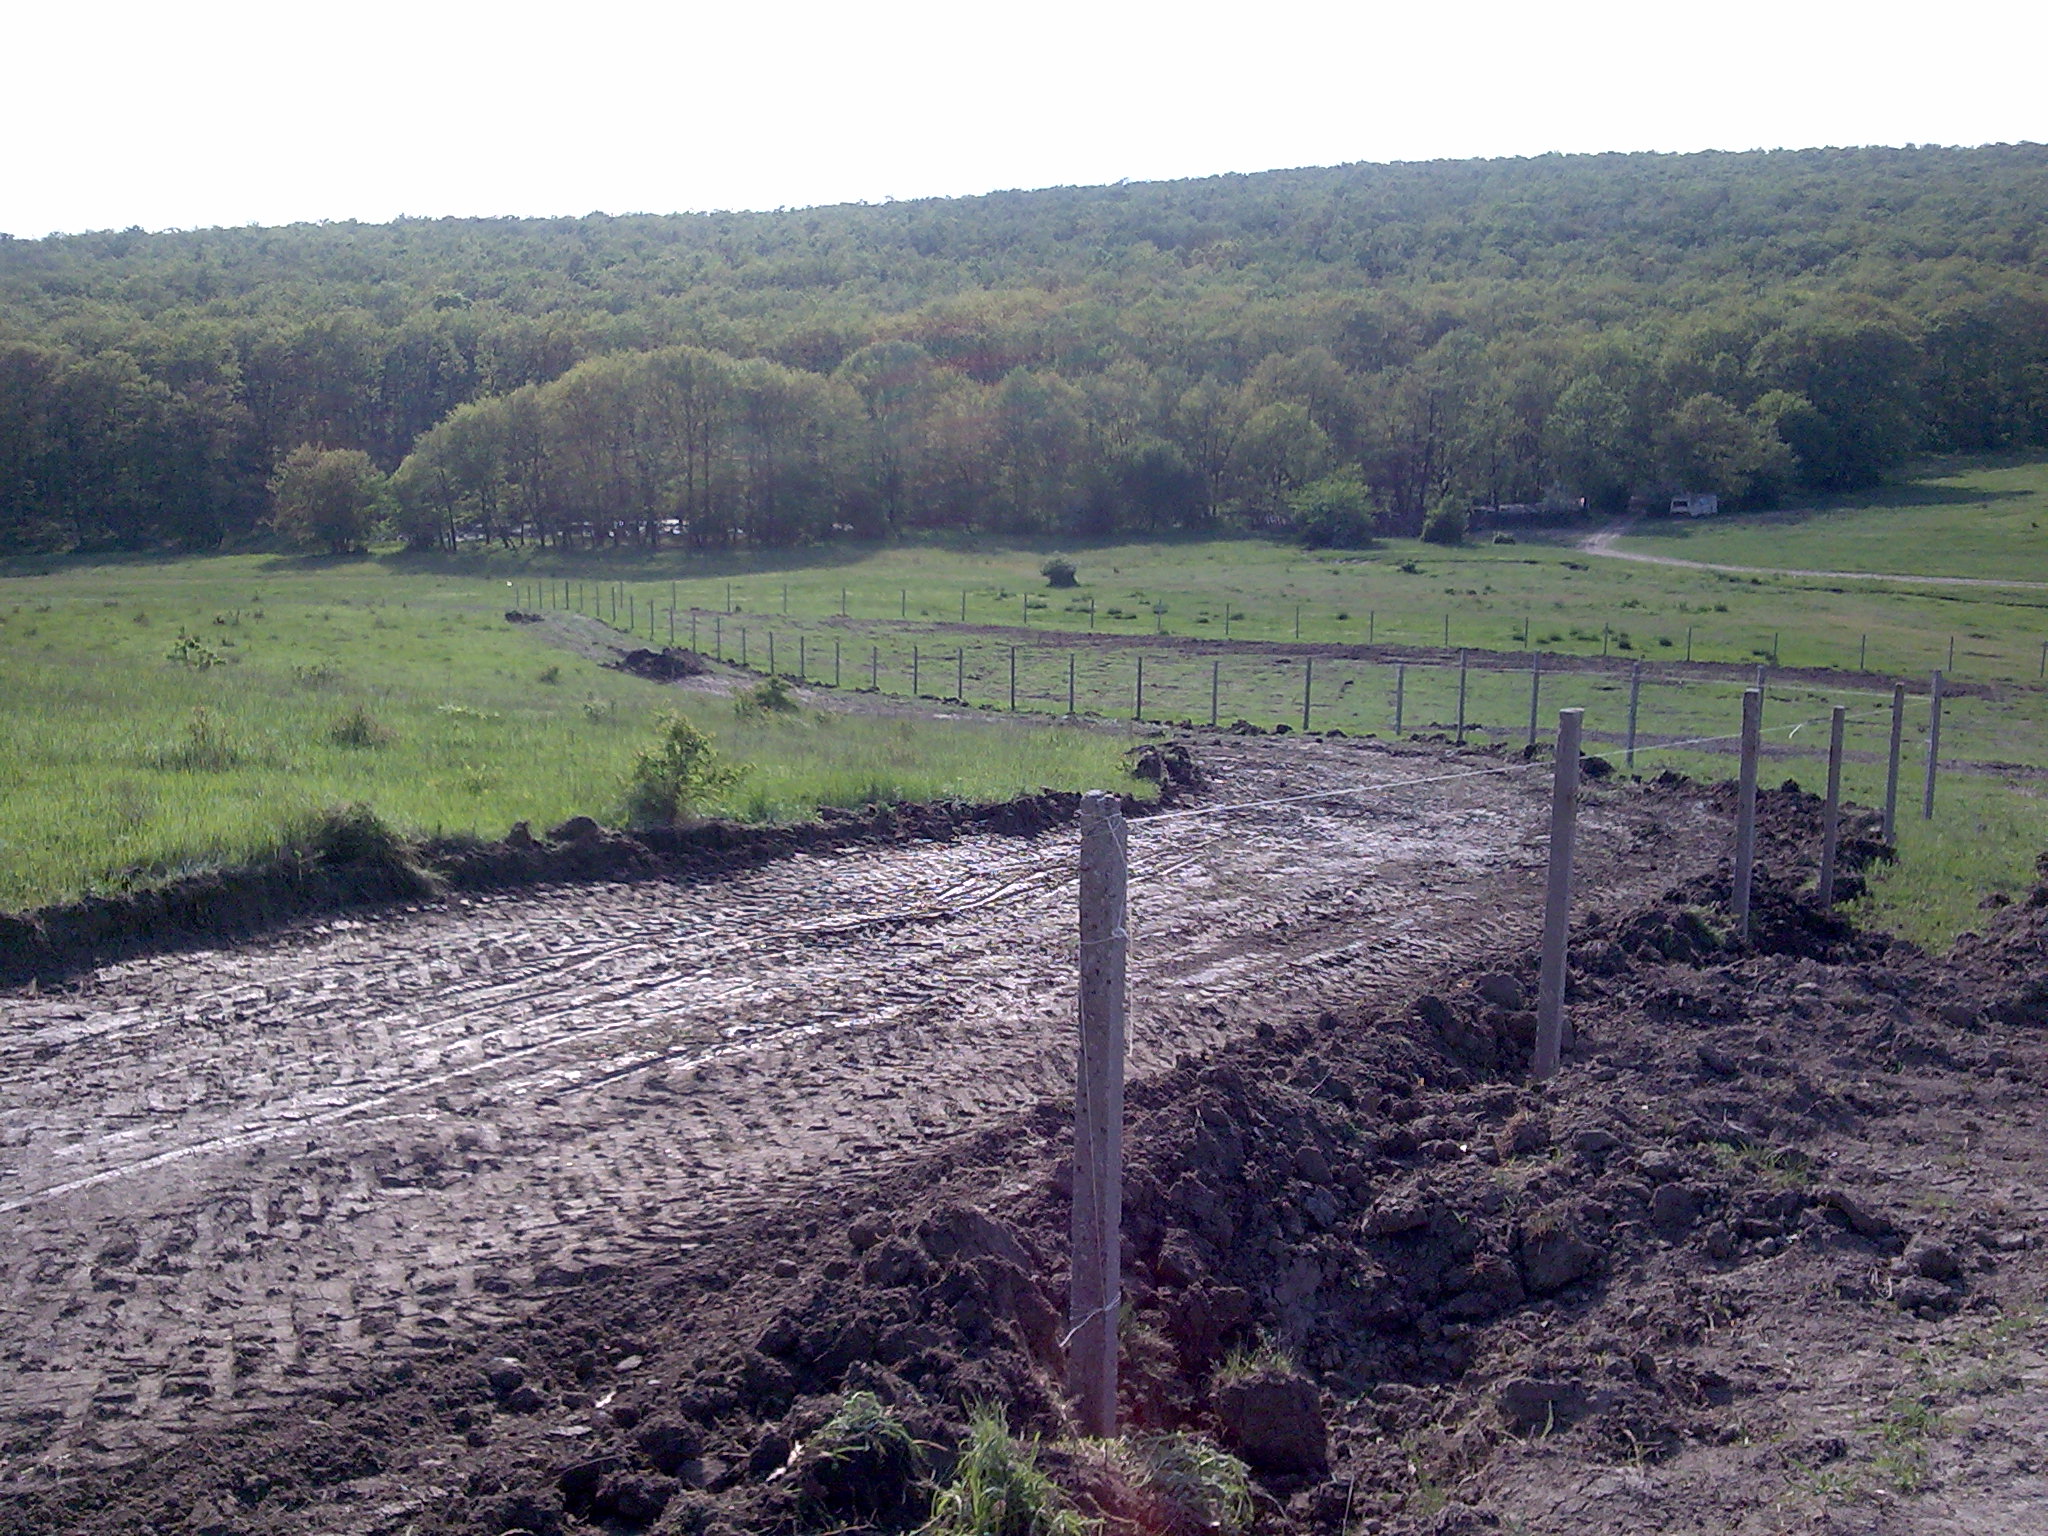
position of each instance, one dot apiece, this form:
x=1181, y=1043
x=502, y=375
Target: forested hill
x=1076, y=359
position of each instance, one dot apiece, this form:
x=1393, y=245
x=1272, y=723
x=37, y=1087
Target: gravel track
x=236, y=1175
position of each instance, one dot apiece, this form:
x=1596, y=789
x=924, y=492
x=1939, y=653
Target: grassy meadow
x=165, y=715
x=1540, y=593
x=160, y=717
x=1973, y=518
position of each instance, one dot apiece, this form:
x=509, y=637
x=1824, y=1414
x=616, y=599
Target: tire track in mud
x=229, y=1177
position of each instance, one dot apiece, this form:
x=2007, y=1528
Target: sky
x=198, y=113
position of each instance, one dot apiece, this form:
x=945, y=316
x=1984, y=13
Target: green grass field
x=1539, y=593
x=397, y=682
x=346, y=683
x=1961, y=518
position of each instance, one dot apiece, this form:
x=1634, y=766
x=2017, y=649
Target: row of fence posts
x=592, y=597
x=1635, y=686
x=1095, y=1286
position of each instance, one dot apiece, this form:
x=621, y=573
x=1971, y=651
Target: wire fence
x=658, y=612
x=1475, y=699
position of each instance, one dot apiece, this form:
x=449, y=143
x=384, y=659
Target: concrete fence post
x=1891, y=772
x=1551, y=1034
x=1745, y=807
x=1095, y=1291
x=1831, y=811
x=1933, y=747
x=1635, y=696
x=1535, y=692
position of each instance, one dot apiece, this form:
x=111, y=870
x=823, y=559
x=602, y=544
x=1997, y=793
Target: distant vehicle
x=1699, y=504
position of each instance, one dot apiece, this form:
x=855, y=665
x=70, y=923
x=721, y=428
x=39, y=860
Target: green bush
x=681, y=770
x=1335, y=512
x=1445, y=525
x=863, y=1466
x=1059, y=571
x=771, y=696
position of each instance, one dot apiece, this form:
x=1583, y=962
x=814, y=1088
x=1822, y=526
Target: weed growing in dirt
x=1244, y=1360
x=1903, y=1431
x=679, y=772
x=1178, y=1485
x=863, y=1465
x=1784, y=1167
x=998, y=1489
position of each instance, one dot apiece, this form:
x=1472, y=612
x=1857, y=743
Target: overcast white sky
x=224, y=112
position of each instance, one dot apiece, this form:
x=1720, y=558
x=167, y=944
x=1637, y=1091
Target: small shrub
x=600, y=711
x=1409, y=568
x=771, y=696
x=550, y=675
x=357, y=728
x=1059, y=571
x=355, y=840
x=190, y=651
x=682, y=769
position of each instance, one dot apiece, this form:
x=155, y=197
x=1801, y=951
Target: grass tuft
x=358, y=729
x=997, y=1488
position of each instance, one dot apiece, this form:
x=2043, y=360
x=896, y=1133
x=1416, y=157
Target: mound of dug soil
x=669, y=665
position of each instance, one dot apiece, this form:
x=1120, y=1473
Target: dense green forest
x=1078, y=360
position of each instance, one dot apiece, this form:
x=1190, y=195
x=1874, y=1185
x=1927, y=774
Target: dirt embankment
x=338, y=871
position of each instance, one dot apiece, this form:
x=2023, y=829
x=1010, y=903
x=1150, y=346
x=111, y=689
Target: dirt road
x=234, y=1175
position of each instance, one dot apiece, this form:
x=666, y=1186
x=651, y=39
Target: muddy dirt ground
x=584, y=1207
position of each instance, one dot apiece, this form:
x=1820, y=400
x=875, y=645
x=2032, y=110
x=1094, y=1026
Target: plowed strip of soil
x=234, y=1176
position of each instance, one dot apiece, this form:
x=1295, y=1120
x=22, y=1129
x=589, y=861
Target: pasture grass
x=1540, y=594
x=162, y=718
x=163, y=715
x=1960, y=517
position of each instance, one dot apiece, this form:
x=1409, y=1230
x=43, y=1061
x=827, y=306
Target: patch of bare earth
x=583, y=1208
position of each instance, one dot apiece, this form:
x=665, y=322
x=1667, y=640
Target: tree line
x=1092, y=360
